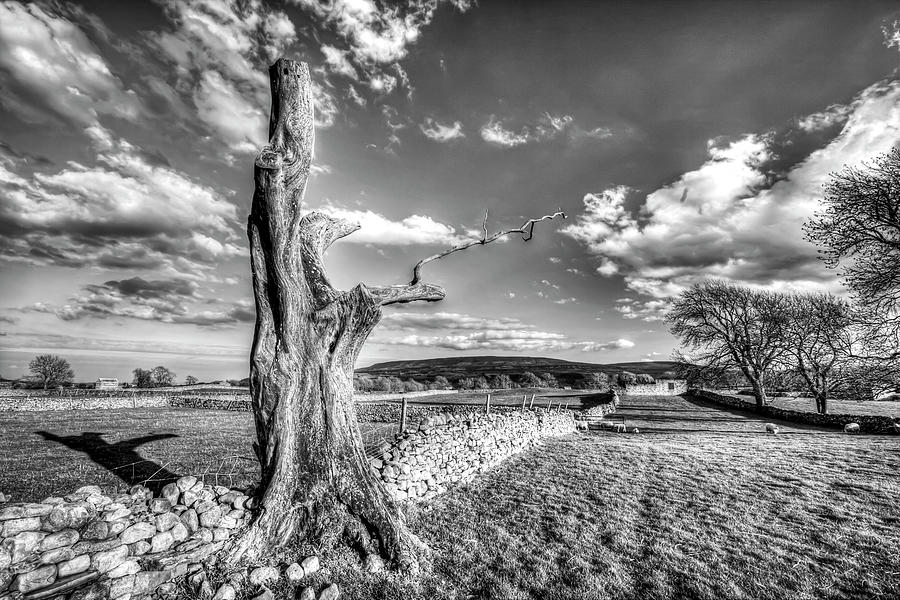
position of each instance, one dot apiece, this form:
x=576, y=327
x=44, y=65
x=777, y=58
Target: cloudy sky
x=684, y=140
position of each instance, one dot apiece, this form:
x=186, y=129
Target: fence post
x=487, y=405
x=531, y=404
x=549, y=404
x=523, y=401
x=402, y=414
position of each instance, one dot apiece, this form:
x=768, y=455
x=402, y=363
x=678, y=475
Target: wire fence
x=229, y=471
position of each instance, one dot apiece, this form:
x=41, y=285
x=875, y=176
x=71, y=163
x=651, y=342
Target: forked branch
x=527, y=231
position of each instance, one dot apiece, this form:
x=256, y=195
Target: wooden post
x=531, y=404
x=523, y=401
x=402, y=414
x=487, y=405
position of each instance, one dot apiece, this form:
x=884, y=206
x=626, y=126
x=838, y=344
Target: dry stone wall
x=89, y=545
x=449, y=448
x=39, y=403
x=662, y=387
x=603, y=409
x=867, y=423
x=237, y=400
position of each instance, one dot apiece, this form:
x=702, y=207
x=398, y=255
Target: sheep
x=851, y=428
x=581, y=425
x=620, y=428
x=771, y=428
x=635, y=430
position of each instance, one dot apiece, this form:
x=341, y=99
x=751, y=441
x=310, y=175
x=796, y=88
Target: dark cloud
x=165, y=300
x=130, y=211
x=137, y=287
x=24, y=157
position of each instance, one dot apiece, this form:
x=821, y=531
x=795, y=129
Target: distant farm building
x=662, y=387
x=107, y=383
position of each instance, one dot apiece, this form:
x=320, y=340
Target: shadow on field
x=753, y=415
x=120, y=458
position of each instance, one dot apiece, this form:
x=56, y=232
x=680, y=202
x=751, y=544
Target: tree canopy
x=51, y=370
x=858, y=228
x=729, y=326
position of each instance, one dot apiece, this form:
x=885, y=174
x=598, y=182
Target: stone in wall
x=448, y=448
x=662, y=387
x=118, y=546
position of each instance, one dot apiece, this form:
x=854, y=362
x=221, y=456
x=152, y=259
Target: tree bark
x=315, y=479
x=759, y=390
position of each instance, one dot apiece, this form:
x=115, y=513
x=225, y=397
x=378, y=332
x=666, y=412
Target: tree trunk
x=315, y=478
x=759, y=391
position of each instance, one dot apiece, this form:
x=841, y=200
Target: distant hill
x=472, y=366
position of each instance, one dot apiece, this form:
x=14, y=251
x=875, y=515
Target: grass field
x=700, y=504
x=121, y=447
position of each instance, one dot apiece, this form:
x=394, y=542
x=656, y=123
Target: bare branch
x=400, y=294
x=527, y=231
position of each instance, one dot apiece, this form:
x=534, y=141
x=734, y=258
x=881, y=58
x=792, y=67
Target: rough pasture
x=700, y=504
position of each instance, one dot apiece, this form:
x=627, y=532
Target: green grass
x=701, y=504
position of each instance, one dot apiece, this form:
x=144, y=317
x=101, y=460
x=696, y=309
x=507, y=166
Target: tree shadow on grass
x=120, y=458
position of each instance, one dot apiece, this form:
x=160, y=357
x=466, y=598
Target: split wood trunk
x=316, y=482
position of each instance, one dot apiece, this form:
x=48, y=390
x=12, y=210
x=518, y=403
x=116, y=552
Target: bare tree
x=143, y=378
x=728, y=326
x=859, y=229
x=817, y=336
x=51, y=370
x=190, y=380
x=315, y=479
x=626, y=378
x=162, y=376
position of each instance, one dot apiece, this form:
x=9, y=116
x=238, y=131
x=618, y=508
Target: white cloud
x=372, y=37
x=48, y=68
x=726, y=220
x=434, y=130
x=466, y=332
x=830, y=117
x=125, y=212
x=379, y=230
x=165, y=301
x=241, y=124
x=527, y=340
x=493, y=132
x=220, y=52
x=447, y=320
x=375, y=35
x=546, y=128
x=338, y=62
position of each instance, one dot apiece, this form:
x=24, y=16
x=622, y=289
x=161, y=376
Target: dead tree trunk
x=315, y=480
x=315, y=476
